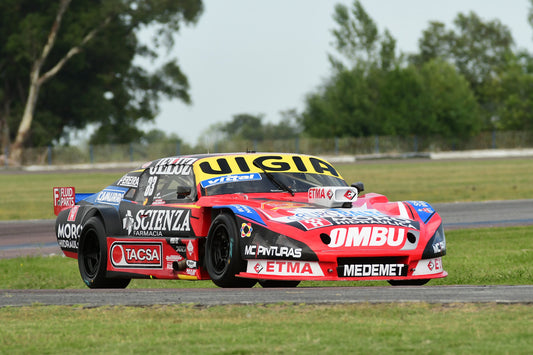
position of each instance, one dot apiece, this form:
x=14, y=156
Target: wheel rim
x=221, y=249
x=91, y=255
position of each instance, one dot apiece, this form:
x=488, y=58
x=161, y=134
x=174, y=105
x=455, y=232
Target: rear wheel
x=417, y=282
x=222, y=254
x=278, y=283
x=92, y=257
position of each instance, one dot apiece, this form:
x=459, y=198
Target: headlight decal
x=436, y=245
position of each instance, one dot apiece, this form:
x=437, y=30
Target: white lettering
x=157, y=221
x=367, y=236
x=372, y=270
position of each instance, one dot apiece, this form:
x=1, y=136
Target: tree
x=88, y=51
x=244, y=126
x=479, y=49
x=358, y=41
x=248, y=127
x=377, y=94
x=512, y=93
x=449, y=106
x=341, y=107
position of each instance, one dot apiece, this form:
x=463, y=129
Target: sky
x=265, y=56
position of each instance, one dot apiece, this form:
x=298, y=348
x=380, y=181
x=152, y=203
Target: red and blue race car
x=244, y=218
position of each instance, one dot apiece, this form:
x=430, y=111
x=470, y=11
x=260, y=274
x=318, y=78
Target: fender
x=109, y=216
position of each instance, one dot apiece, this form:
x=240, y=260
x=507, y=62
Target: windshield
x=256, y=182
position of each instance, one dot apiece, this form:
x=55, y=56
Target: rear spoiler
x=66, y=197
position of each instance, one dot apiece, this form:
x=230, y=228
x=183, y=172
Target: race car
x=245, y=218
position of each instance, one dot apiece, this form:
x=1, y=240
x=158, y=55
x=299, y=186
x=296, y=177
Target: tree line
x=65, y=65
x=463, y=80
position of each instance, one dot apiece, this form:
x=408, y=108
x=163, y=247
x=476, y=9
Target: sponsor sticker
x=372, y=270
x=367, y=237
x=230, y=179
x=63, y=197
x=429, y=267
x=333, y=196
x=68, y=235
x=73, y=213
x=424, y=209
x=137, y=255
x=338, y=216
x=284, y=268
x=245, y=211
x=173, y=166
x=260, y=251
x=254, y=163
x=313, y=223
x=128, y=181
x=246, y=230
x=156, y=222
x=111, y=196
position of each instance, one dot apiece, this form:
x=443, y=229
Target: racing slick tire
x=92, y=257
x=278, y=283
x=417, y=282
x=222, y=254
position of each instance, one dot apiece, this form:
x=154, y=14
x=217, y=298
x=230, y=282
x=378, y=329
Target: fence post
x=255, y=145
x=178, y=148
x=6, y=154
x=91, y=154
x=376, y=146
x=49, y=155
x=297, y=144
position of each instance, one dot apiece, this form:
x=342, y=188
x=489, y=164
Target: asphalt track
x=20, y=238
x=299, y=295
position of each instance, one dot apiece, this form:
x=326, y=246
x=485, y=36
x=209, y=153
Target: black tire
x=417, y=282
x=92, y=257
x=278, y=283
x=222, y=254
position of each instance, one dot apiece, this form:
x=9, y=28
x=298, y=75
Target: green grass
x=283, y=329
x=497, y=256
x=446, y=181
x=477, y=256
x=29, y=196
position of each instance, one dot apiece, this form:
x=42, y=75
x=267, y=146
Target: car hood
x=297, y=212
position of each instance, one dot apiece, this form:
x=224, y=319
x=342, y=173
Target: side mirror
x=359, y=186
x=182, y=192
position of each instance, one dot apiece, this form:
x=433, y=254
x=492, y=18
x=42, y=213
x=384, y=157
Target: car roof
x=243, y=162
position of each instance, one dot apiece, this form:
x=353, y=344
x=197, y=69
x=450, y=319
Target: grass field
x=477, y=256
x=270, y=329
x=29, y=196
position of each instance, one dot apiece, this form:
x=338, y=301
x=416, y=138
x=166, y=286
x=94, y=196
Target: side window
x=167, y=187
x=160, y=189
x=146, y=188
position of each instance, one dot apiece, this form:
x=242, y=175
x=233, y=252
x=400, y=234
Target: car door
x=158, y=208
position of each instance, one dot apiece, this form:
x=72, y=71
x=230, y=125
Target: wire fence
x=361, y=146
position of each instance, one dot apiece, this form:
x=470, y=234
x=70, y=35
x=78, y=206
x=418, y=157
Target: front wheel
x=222, y=254
x=92, y=257
x=416, y=282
